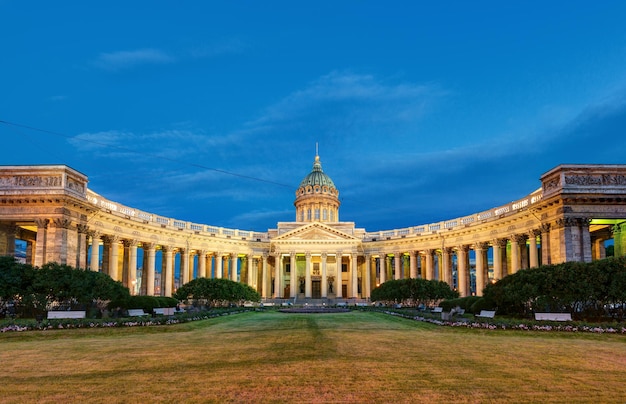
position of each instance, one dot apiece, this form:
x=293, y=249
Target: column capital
x=42, y=223
x=82, y=228
x=500, y=242
x=62, y=223
x=148, y=246
x=519, y=238
x=130, y=243
x=481, y=246
x=110, y=238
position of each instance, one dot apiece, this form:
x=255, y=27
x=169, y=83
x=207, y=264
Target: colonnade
x=327, y=274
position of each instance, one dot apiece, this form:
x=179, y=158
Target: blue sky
x=209, y=112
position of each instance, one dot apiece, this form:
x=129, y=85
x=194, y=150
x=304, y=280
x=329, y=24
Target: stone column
x=339, y=280
x=113, y=256
x=515, y=256
x=324, y=276
x=81, y=247
x=618, y=244
x=41, y=243
x=382, y=259
x=545, y=244
x=168, y=276
x=94, y=262
x=598, y=249
x=130, y=265
x=498, y=246
x=308, y=287
x=354, y=277
x=234, y=259
x=201, y=263
x=429, y=265
x=463, y=271
x=251, y=278
x=397, y=265
x=293, y=276
x=446, y=264
x=533, y=255
x=368, y=277
x=481, y=267
x=219, y=263
x=265, y=277
x=585, y=239
x=184, y=266
x=148, y=272
x=413, y=264
x=58, y=242
x=277, y=272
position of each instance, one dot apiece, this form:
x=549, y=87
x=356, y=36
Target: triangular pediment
x=315, y=231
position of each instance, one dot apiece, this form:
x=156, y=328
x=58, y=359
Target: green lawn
x=339, y=358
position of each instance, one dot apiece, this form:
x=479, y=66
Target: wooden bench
x=553, y=316
x=137, y=313
x=164, y=311
x=486, y=313
x=66, y=314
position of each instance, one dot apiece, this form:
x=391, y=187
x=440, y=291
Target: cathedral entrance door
x=316, y=289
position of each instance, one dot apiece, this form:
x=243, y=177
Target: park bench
x=66, y=314
x=137, y=313
x=486, y=313
x=164, y=311
x=437, y=310
x=553, y=316
x=268, y=304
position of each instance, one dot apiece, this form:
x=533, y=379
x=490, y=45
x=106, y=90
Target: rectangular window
x=344, y=267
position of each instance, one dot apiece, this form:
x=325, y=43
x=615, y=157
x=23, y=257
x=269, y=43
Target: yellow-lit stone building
x=577, y=210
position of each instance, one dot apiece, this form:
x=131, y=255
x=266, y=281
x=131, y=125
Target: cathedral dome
x=317, y=198
x=317, y=176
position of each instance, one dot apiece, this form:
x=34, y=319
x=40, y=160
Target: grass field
x=270, y=357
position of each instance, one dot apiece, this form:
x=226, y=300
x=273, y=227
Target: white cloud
x=362, y=95
x=121, y=60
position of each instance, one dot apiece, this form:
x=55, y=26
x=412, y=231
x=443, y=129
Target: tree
x=585, y=290
x=413, y=292
x=217, y=292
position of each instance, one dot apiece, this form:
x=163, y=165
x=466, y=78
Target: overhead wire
x=126, y=149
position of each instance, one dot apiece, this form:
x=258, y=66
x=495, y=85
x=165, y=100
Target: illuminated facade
x=577, y=210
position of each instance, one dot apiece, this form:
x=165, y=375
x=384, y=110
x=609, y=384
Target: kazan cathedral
x=48, y=214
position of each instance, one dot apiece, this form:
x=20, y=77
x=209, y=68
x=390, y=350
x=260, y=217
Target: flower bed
x=59, y=324
x=501, y=324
